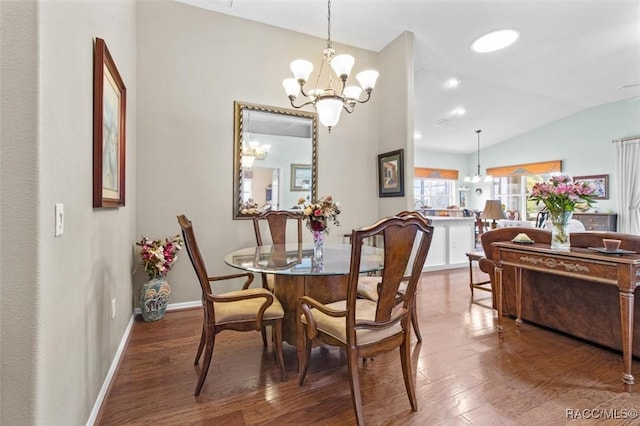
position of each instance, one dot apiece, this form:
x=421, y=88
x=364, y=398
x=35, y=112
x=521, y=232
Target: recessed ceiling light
x=459, y=111
x=417, y=135
x=452, y=82
x=495, y=40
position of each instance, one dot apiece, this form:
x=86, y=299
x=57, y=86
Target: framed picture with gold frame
x=109, y=113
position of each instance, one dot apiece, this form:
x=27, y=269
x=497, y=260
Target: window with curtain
x=434, y=187
x=628, y=181
x=435, y=193
x=512, y=185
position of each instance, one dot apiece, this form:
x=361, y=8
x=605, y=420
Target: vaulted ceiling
x=571, y=55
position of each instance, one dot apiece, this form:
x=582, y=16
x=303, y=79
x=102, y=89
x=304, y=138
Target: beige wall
x=192, y=65
x=19, y=254
x=183, y=68
x=58, y=338
x=396, y=115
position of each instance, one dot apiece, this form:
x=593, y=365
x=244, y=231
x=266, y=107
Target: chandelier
x=255, y=151
x=329, y=102
x=478, y=177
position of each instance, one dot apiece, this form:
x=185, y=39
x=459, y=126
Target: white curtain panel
x=628, y=180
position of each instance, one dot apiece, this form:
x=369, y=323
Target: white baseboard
x=110, y=374
x=120, y=352
x=176, y=306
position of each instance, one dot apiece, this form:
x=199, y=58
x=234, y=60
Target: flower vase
x=154, y=297
x=318, y=241
x=560, y=238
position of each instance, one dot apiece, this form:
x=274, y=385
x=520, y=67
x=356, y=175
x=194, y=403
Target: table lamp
x=493, y=210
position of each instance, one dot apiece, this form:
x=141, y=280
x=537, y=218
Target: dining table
x=301, y=271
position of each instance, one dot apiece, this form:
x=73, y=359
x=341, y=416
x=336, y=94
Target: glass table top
x=298, y=259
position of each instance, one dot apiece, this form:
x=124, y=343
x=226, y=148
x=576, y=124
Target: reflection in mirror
x=274, y=159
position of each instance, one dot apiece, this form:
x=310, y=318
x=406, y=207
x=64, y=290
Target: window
x=512, y=184
x=512, y=192
x=434, y=193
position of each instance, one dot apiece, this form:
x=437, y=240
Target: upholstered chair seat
x=365, y=311
x=246, y=309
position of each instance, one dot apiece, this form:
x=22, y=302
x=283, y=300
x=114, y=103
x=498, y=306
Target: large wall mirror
x=274, y=159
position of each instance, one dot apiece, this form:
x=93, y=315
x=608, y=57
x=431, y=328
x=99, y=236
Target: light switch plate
x=59, y=219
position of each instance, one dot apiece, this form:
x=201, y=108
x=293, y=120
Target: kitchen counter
x=453, y=237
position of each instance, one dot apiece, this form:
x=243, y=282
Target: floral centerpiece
x=157, y=257
x=249, y=207
x=560, y=196
x=320, y=213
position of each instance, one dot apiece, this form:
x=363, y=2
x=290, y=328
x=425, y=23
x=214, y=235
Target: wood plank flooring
x=465, y=375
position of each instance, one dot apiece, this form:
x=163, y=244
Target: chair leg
x=354, y=382
x=211, y=338
x=203, y=338
x=264, y=336
x=305, y=362
x=407, y=375
x=414, y=323
x=277, y=330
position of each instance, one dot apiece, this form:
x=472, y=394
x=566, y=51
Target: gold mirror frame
x=238, y=136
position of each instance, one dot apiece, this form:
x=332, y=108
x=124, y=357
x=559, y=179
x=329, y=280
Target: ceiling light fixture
x=478, y=177
x=495, y=40
x=459, y=111
x=452, y=82
x=255, y=151
x=329, y=102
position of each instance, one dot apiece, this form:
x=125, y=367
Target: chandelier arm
x=348, y=105
x=368, y=92
x=302, y=90
x=301, y=105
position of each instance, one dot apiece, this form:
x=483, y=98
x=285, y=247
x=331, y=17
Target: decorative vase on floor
x=154, y=297
x=560, y=236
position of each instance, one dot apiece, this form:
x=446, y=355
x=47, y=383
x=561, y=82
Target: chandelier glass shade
x=330, y=101
x=478, y=177
x=255, y=151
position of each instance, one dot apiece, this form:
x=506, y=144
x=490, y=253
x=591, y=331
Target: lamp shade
x=493, y=210
x=367, y=79
x=291, y=86
x=301, y=69
x=329, y=110
x=342, y=65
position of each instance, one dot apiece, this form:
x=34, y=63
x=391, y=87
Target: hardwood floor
x=464, y=374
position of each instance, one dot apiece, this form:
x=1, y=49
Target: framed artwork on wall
x=109, y=113
x=599, y=182
x=300, y=177
x=391, y=174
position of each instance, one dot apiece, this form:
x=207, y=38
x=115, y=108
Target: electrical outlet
x=59, y=219
x=113, y=308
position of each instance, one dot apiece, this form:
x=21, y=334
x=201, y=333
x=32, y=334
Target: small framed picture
x=598, y=182
x=300, y=177
x=109, y=112
x=391, y=174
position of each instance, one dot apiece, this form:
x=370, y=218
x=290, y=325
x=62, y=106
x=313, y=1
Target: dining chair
x=542, y=217
x=242, y=310
x=368, y=287
x=276, y=221
x=363, y=327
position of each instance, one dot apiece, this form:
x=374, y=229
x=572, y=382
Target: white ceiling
x=572, y=55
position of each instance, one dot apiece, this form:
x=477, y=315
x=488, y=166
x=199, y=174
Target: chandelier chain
x=329, y=23
x=478, y=132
